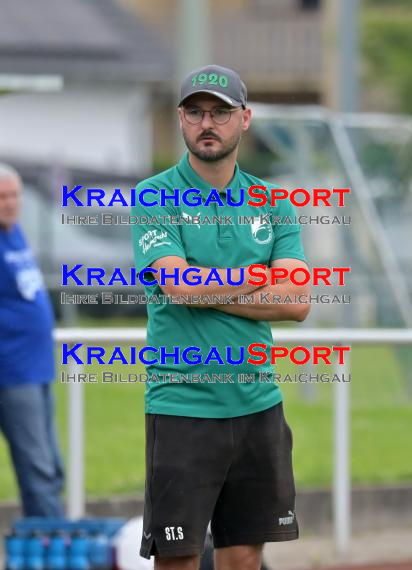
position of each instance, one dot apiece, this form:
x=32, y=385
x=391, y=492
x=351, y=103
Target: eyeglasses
x=220, y=115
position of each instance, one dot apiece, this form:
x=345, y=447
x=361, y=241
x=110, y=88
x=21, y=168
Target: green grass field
x=380, y=436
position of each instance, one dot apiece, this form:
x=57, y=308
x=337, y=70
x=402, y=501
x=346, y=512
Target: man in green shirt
x=218, y=447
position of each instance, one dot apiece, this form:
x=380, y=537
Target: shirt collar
x=193, y=180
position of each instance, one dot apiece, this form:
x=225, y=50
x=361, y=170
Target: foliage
x=387, y=49
x=389, y=3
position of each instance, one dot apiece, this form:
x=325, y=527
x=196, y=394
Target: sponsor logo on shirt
x=194, y=219
x=153, y=238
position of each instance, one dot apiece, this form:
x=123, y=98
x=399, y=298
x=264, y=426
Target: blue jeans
x=27, y=422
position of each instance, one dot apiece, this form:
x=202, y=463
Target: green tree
x=387, y=49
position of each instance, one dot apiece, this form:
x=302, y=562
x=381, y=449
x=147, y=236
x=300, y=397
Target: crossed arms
x=258, y=310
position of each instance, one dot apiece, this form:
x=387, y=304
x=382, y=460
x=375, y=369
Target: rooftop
x=80, y=39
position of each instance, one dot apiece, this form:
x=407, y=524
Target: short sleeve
x=288, y=240
x=152, y=240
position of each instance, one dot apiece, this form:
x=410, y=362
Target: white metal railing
x=336, y=337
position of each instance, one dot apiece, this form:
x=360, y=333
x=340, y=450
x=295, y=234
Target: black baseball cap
x=219, y=81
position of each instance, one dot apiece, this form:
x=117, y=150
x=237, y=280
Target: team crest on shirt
x=29, y=280
x=262, y=233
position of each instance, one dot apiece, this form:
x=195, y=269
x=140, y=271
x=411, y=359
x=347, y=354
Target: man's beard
x=209, y=155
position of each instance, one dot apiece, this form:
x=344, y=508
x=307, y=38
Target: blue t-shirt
x=26, y=315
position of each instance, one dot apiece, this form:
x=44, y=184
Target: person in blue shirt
x=27, y=366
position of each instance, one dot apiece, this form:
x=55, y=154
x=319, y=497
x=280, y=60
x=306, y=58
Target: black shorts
x=235, y=472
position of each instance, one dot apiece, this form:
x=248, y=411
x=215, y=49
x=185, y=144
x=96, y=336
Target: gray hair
x=7, y=172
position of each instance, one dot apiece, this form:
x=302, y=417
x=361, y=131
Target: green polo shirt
x=170, y=325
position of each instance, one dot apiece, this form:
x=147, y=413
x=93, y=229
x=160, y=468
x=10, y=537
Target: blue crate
x=37, y=543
